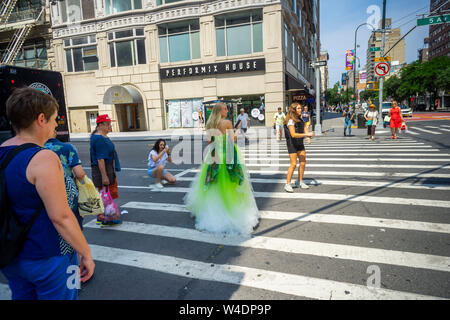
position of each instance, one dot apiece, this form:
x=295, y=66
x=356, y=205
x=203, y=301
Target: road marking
x=354, y=173
x=412, y=132
x=250, y=277
x=324, y=196
x=182, y=173
x=313, y=217
x=427, y=131
x=446, y=130
x=351, y=183
x=432, y=127
x=321, y=249
x=369, y=153
x=248, y=162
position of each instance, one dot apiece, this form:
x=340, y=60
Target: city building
x=439, y=34
x=25, y=34
x=397, y=54
x=150, y=64
x=424, y=52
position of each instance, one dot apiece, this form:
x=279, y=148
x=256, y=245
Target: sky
x=340, y=18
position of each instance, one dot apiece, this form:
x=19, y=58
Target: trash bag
x=111, y=209
x=89, y=200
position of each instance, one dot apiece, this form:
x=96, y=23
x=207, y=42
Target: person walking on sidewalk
x=295, y=130
x=306, y=116
x=157, y=160
x=35, y=190
x=104, y=163
x=371, y=117
x=279, y=122
x=348, y=116
x=395, y=113
x=244, y=123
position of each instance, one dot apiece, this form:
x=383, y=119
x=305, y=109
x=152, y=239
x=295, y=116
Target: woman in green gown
x=221, y=196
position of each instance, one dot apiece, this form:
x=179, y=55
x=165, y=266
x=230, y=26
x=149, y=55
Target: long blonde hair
x=215, y=116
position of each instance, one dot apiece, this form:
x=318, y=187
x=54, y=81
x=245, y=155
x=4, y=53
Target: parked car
x=406, y=112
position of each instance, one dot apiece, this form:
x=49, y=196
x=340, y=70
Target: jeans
x=44, y=279
x=348, y=123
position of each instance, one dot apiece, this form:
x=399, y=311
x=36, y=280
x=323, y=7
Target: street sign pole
x=318, y=126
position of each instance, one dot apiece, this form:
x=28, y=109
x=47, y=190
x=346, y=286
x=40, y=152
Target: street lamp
x=354, y=69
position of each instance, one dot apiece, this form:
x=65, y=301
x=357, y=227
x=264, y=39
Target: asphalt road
x=380, y=206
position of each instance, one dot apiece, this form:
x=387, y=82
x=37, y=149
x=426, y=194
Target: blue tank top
x=43, y=240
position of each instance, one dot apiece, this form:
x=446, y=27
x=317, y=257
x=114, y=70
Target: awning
x=121, y=95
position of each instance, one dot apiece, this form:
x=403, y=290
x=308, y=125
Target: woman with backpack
x=47, y=261
x=295, y=130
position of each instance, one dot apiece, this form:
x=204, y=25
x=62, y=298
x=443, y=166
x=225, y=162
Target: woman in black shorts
x=295, y=131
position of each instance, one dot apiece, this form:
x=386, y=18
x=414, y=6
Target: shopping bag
x=387, y=119
x=369, y=122
x=89, y=200
x=111, y=209
x=404, y=127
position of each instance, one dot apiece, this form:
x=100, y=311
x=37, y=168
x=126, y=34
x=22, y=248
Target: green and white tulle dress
x=221, y=196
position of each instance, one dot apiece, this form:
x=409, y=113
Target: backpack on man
x=13, y=233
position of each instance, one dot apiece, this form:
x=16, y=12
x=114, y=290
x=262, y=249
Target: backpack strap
x=15, y=152
x=5, y=163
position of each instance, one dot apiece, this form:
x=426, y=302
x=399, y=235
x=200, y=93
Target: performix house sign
x=214, y=68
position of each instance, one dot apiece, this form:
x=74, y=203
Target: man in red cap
x=105, y=164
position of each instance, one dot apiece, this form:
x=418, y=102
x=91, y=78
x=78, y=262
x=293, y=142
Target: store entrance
x=130, y=117
x=253, y=106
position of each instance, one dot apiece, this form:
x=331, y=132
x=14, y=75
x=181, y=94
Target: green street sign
x=374, y=49
x=433, y=20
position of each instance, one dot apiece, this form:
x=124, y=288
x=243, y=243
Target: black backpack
x=12, y=232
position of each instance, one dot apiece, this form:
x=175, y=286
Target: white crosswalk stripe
x=426, y=131
x=359, y=166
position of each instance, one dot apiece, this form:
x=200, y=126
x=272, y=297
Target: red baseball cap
x=104, y=118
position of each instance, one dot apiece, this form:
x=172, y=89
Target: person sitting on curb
x=157, y=160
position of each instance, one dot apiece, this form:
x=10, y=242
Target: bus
x=50, y=82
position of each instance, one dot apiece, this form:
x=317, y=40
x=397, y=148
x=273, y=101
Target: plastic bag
x=404, y=127
x=89, y=200
x=387, y=119
x=111, y=209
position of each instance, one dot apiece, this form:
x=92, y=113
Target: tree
x=391, y=89
x=367, y=95
x=443, y=79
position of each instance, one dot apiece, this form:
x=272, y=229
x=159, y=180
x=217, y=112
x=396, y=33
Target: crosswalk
x=381, y=204
x=434, y=130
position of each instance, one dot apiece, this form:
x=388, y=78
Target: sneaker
x=296, y=184
x=303, y=185
x=164, y=182
x=112, y=223
x=157, y=186
x=288, y=188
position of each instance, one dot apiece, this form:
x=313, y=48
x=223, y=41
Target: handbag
x=111, y=209
x=369, y=122
x=89, y=200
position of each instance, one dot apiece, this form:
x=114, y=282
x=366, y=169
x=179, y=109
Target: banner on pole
x=349, y=59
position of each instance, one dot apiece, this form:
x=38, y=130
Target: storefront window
x=179, y=113
x=239, y=33
x=127, y=47
x=116, y=6
x=253, y=106
x=179, y=41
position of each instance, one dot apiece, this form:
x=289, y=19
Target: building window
x=76, y=10
x=127, y=47
x=116, y=6
x=161, y=2
x=179, y=41
x=25, y=10
x=81, y=54
x=179, y=112
x=33, y=56
x=239, y=33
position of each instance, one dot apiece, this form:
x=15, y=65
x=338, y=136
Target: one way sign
x=382, y=69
